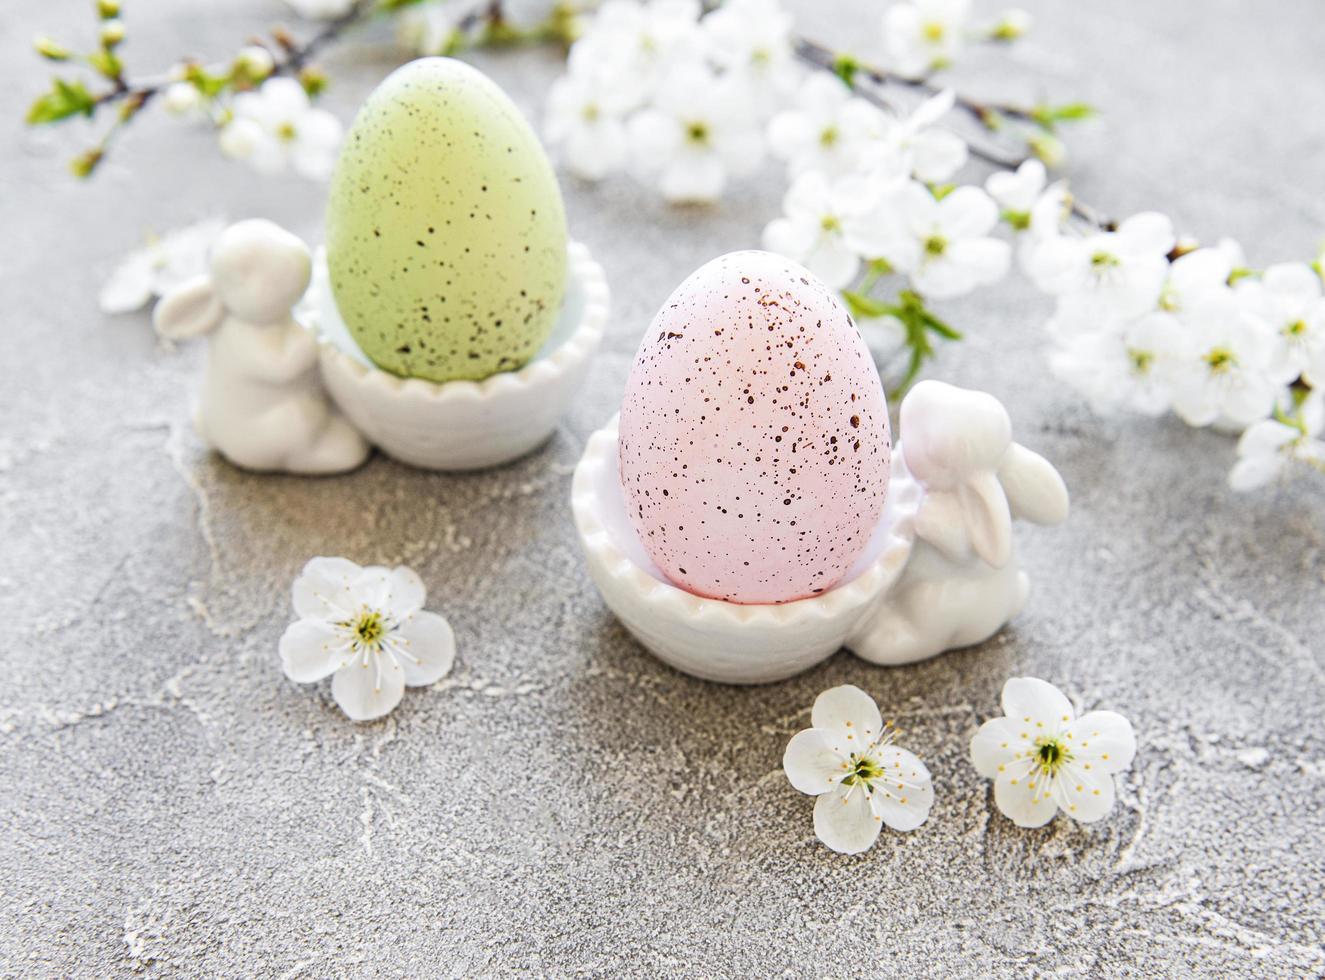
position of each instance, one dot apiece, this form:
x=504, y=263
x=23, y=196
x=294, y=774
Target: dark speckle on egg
x=754, y=441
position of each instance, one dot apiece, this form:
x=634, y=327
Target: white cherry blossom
x=942, y=245
x=752, y=38
x=932, y=155
x=586, y=124
x=820, y=219
x=276, y=128
x=1271, y=447
x=826, y=129
x=862, y=780
x=1224, y=373
x=429, y=28
x=158, y=267
x=367, y=629
x=628, y=39
x=1043, y=758
x=1288, y=298
x=1125, y=365
x=1198, y=276
x=1123, y=269
x=924, y=35
x=698, y=133
x=1018, y=191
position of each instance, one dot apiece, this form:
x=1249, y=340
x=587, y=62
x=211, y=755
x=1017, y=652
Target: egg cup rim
x=858, y=594
x=545, y=367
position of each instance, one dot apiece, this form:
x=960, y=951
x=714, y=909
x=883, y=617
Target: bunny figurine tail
x=962, y=582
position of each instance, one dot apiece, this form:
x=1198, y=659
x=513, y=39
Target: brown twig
x=819, y=56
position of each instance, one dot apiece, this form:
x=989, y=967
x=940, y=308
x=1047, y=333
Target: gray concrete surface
x=564, y=805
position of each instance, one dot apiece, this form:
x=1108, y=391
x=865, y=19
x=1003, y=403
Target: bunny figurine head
x=258, y=272
x=952, y=433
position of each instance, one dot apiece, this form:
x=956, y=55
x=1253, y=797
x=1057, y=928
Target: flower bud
x=112, y=33
x=108, y=9
x=314, y=81
x=49, y=50
x=181, y=98
x=255, y=62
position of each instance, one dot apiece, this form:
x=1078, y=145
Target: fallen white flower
x=366, y=627
x=158, y=267
x=1043, y=759
x=275, y=129
x=861, y=779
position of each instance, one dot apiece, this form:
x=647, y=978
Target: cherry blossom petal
x=428, y=648
x=406, y=592
x=811, y=762
x=966, y=212
x=694, y=178
x=937, y=155
x=310, y=650
x=995, y=745
x=129, y=287
x=323, y=589
x=1102, y=738
x=368, y=692
x=1294, y=283
x=1031, y=700
x=1253, y=472
x=1023, y=795
x=847, y=713
x=844, y=821
x=794, y=239
x=904, y=795
x=981, y=261
x=832, y=262
x=1084, y=794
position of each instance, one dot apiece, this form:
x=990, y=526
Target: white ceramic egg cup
x=464, y=425
x=938, y=573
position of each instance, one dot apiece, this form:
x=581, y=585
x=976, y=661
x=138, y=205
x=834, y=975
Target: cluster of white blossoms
x=276, y=128
x=1142, y=322
x=1147, y=323
x=680, y=99
x=867, y=188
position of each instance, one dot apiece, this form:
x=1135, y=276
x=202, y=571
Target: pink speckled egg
x=754, y=441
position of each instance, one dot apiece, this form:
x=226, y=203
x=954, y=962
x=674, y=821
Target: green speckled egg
x=446, y=234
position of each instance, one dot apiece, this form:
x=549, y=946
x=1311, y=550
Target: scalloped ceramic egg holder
x=938, y=572
x=465, y=425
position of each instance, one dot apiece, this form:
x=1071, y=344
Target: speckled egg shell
x=445, y=232
x=754, y=441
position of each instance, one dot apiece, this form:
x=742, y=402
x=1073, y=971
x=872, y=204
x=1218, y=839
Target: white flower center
x=873, y=774
x=372, y=637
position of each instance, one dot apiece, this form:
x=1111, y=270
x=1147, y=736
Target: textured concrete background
x=563, y=804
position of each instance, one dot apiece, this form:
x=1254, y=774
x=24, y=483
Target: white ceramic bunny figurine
x=962, y=582
x=262, y=406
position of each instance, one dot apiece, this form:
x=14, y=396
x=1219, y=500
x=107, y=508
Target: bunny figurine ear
x=191, y=309
x=1035, y=491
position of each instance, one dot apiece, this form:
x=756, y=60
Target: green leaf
x=845, y=68
x=864, y=307
x=65, y=99
x=1048, y=116
x=107, y=63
